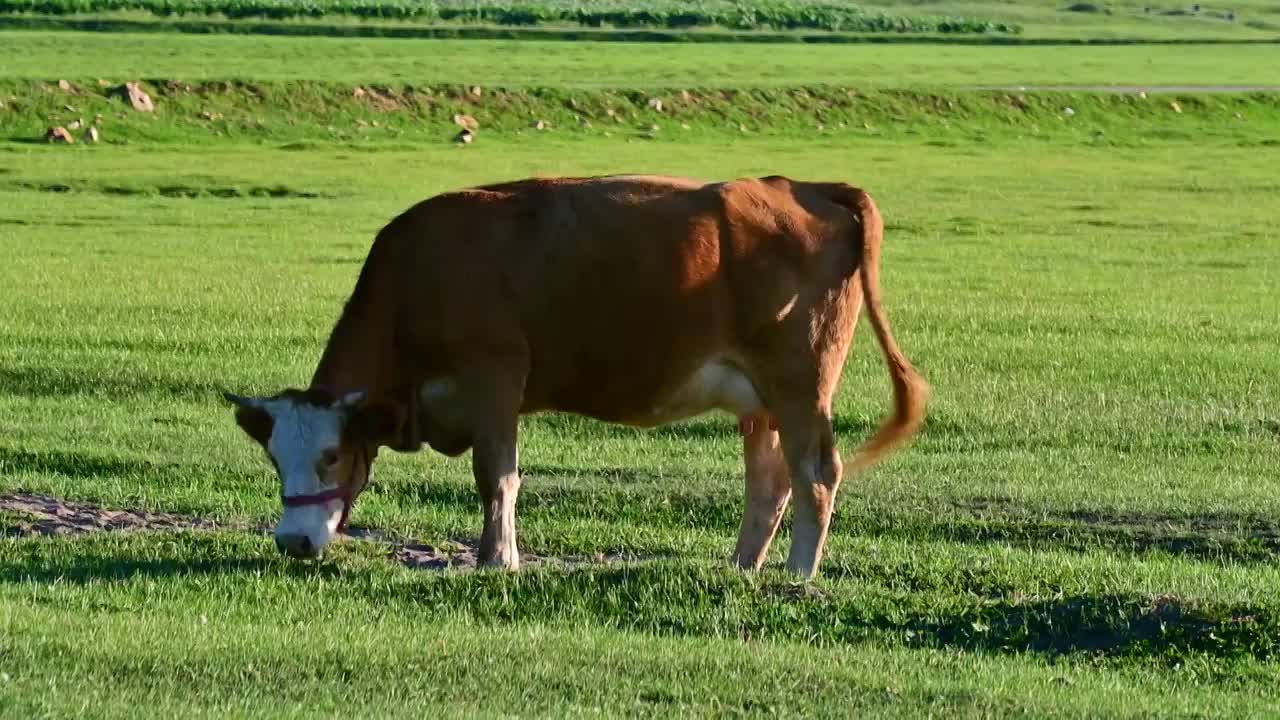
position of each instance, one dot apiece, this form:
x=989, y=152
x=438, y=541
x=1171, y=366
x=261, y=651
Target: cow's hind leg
x=767, y=492
x=814, y=463
x=495, y=464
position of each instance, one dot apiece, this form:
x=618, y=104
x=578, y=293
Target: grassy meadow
x=1088, y=526
x=44, y=56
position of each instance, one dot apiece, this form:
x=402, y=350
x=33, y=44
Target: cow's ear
x=252, y=417
x=375, y=423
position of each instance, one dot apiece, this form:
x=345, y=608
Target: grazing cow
x=631, y=300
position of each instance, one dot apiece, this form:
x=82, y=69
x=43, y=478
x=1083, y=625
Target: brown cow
x=632, y=300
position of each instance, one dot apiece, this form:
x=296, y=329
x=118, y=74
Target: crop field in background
x=1087, y=526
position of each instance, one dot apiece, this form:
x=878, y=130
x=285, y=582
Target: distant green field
x=682, y=15
x=1087, y=526
x=638, y=65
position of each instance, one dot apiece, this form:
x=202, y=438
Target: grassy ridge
x=298, y=111
x=771, y=15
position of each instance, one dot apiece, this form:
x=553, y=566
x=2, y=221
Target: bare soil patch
x=27, y=515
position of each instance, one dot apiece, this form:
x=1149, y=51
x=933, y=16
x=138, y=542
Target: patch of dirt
x=50, y=516
x=26, y=515
x=178, y=190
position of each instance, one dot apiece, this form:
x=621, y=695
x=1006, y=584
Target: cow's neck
x=360, y=352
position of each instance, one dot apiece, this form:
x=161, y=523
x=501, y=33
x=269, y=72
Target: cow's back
x=615, y=288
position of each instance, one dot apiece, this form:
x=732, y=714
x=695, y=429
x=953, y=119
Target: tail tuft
x=910, y=391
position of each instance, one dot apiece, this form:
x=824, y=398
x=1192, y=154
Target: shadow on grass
x=674, y=599
x=71, y=464
x=1217, y=537
x=91, y=558
x=82, y=571
x=90, y=466
x=41, y=382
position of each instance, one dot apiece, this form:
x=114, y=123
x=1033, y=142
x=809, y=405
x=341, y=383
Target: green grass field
x=1088, y=526
x=581, y=64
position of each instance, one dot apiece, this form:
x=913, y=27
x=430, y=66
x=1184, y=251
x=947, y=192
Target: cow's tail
x=910, y=390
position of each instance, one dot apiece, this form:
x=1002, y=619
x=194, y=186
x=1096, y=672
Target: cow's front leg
x=494, y=462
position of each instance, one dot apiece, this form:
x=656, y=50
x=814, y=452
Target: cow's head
x=322, y=447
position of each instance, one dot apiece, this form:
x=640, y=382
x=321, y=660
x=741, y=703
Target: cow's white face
x=305, y=441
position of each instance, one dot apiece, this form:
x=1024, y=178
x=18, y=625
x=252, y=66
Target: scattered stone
x=211, y=116
x=75, y=124
x=656, y=104
x=1239, y=116
x=104, y=83
x=1068, y=112
x=66, y=86
x=58, y=135
x=476, y=91
x=97, y=119
x=610, y=112
x=133, y=93
x=821, y=127
x=1142, y=94
x=68, y=108
x=742, y=128
x=1175, y=106
x=685, y=96
x=541, y=125
x=685, y=126
x=358, y=92
x=466, y=121
x=465, y=137
x=92, y=135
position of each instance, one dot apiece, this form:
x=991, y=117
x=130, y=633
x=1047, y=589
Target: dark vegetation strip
x=781, y=15
x=679, y=598
x=461, y=32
